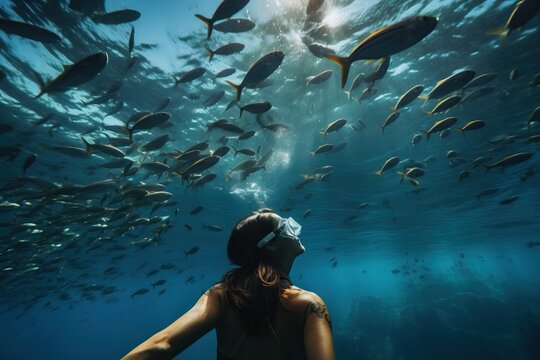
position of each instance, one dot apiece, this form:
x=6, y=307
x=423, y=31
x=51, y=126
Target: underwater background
x=99, y=250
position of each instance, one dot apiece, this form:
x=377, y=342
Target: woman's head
x=254, y=239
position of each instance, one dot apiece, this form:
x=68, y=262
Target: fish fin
x=414, y=182
x=502, y=32
x=87, y=145
x=40, y=83
x=344, y=65
x=238, y=89
x=403, y=176
x=210, y=54
x=208, y=22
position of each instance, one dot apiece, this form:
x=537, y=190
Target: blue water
x=468, y=279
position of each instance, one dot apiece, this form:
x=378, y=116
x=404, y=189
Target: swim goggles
x=286, y=228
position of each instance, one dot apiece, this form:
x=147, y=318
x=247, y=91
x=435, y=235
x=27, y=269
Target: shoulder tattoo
x=320, y=310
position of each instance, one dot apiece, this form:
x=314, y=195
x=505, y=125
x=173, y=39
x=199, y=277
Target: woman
x=255, y=309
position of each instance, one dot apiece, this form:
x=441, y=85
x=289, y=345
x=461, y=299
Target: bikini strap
x=275, y=334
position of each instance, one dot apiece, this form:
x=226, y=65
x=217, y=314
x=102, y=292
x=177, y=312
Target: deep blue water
x=435, y=274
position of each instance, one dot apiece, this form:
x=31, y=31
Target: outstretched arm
x=318, y=330
x=187, y=329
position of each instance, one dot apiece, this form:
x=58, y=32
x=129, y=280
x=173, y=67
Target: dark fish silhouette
x=225, y=10
x=28, y=31
x=74, y=75
x=116, y=17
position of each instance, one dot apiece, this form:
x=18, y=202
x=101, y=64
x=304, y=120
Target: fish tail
x=382, y=128
x=87, y=145
x=235, y=150
x=344, y=64
x=40, y=83
x=430, y=113
x=210, y=54
x=502, y=32
x=175, y=81
x=130, y=133
x=378, y=173
x=403, y=176
x=427, y=134
x=425, y=98
x=488, y=168
x=348, y=93
x=241, y=110
x=414, y=182
x=394, y=109
x=208, y=22
x=461, y=131
x=238, y=89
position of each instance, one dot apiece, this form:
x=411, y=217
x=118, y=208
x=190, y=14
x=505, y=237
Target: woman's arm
x=187, y=329
x=317, y=330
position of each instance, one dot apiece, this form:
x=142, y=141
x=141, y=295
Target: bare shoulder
x=217, y=289
x=300, y=299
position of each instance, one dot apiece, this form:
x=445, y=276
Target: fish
x=147, y=122
x=486, y=192
x=197, y=183
x=235, y=26
x=116, y=17
x=158, y=283
x=139, y=292
x=73, y=75
x=245, y=135
x=103, y=148
x=225, y=50
x=28, y=31
x=224, y=124
x=440, y=126
x=464, y=174
x=225, y=10
x=199, y=166
x=472, y=125
x=509, y=200
x=477, y=93
x=259, y=71
x=416, y=139
x=535, y=116
x=449, y=84
x=355, y=84
x=319, y=78
x=196, y=210
x=513, y=159
x=322, y=149
x=408, y=97
x=411, y=173
x=378, y=73
x=389, y=120
x=131, y=41
x=213, y=98
x=481, y=80
x=189, y=76
x=156, y=143
x=191, y=251
x=535, y=80
x=386, y=41
x=255, y=108
x=523, y=12
x=320, y=50
x=388, y=164
x=163, y=104
x=29, y=161
x=514, y=74
x=212, y=227
x=445, y=105
x=224, y=73
x=333, y=126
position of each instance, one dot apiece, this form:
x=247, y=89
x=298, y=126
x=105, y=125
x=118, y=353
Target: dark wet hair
x=253, y=288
